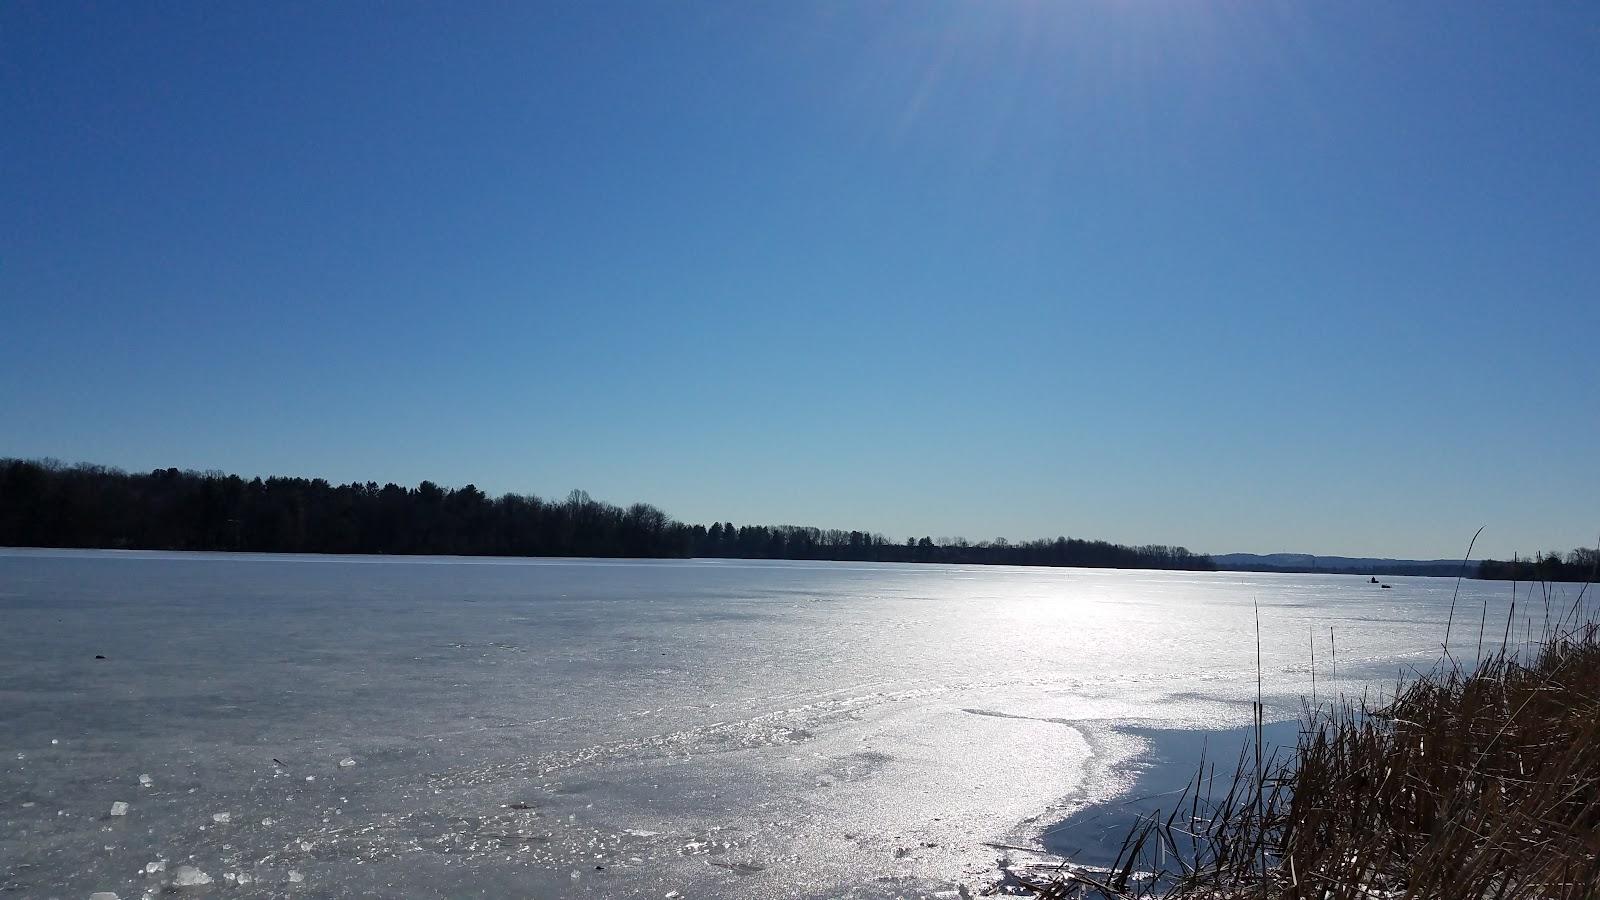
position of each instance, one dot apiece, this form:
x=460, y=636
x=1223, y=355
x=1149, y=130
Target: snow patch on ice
x=189, y=876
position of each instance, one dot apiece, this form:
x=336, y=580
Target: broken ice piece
x=151, y=868
x=222, y=818
x=295, y=877
x=347, y=762
x=189, y=876
x=103, y=895
x=146, y=780
x=119, y=808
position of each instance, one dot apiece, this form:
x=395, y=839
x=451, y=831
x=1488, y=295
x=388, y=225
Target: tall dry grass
x=1472, y=782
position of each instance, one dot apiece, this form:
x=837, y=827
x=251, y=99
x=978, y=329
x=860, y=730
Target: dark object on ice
x=279, y=763
x=1386, y=586
x=521, y=806
x=1372, y=580
x=740, y=868
x=98, y=656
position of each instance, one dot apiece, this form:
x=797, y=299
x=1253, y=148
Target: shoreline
x=1468, y=782
x=1091, y=835
x=492, y=559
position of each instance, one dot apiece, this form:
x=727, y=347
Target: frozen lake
x=540, y=728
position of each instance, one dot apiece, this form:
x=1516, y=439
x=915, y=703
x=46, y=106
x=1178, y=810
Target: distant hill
x=1351, y=565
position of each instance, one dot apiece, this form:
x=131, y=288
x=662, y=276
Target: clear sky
x=1244, y=276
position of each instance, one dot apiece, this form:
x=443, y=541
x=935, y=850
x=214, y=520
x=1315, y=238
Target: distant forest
x=46, y=504
x=1578, y=565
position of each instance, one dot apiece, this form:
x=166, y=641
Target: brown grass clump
x=1468, y=784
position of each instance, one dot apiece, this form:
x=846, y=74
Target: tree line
x=1581, y=564
x=46, y=504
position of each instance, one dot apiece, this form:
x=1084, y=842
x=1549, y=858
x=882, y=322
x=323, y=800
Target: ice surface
x=710, y=729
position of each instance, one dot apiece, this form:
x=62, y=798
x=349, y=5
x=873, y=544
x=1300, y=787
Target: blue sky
x=1241, y=276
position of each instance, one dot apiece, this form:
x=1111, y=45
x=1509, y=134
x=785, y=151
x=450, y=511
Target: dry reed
x=1480, y=783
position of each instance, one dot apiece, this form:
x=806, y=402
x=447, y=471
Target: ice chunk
x=222, y=818
x=119, y=808
x=146, y=781
x=189, y=876
x=295, y=877
x=347, y=762
x=151, y=868
x=103, y=895
x=674, y=895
